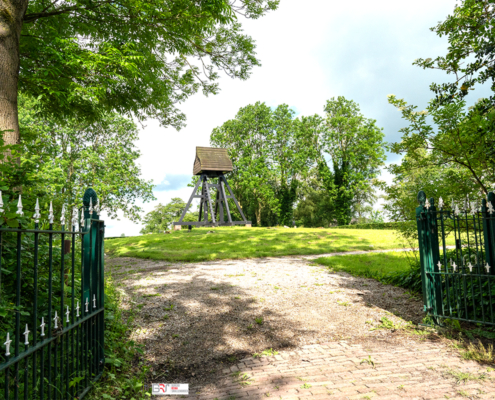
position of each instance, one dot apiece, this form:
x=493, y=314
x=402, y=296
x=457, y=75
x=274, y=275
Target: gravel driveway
x=198, y=312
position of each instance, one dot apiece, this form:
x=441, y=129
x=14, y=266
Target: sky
x=310, y=52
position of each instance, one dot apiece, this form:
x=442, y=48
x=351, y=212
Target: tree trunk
x=11, y=15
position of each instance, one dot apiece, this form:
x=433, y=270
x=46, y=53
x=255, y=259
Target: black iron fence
x=457, y=251
x=51, y=305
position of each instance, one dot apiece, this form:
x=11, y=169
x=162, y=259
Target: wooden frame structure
x=210, y=164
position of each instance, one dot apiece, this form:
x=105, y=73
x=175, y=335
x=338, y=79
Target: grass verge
x=391, y=268
x=240, y=242
x=125, y=372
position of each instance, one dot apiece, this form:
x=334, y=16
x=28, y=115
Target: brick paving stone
x=338, y=374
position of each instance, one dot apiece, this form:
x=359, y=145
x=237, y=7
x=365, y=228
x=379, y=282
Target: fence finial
x=1, y=202
x=456, y=210
x=439, y=266
x=50, y=213
x=97, y=208
x=470, y=266
x=74, y=216
x=77, y=309
x=90, y=206
x=94, y=301
x=26, y=335
x=487, y=266
x=19, y=207
x=82, y=218
x=427, y=204
x=67, y=313
x=87, y=303
x=474, y=208
x=37, y=214
x=42, y=326
x=421, y=197
x=62, y=218
x=7, y=345
x=55, y=319
x=440, y=203
x=490, y=207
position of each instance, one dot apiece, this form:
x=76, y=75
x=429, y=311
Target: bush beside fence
x=379, y=225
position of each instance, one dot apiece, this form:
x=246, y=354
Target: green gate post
x=489, y=231
x=90, y=240
x=429, y=253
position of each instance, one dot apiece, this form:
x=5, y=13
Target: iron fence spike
x=440, y=202
x=62, y=218
x=67, y=313
x=1, y=202
x=37, y=214
x=7, y=345
x=42, y=326
x=19, y=207
x=26, y=335
x=50, y=213
x=90, y=206
x=94, y=301
x=77, y=309
x=55, y=319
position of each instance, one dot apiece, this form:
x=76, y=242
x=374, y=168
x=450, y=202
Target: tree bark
x=11, y=15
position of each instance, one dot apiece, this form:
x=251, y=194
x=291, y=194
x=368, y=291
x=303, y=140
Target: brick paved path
x=338, y=371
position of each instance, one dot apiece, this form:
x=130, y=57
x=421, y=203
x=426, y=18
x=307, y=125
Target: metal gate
x=457, y=252
x=52, y=294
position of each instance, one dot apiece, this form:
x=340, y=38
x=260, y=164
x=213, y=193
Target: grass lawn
x=369, y=264
x=240, y=242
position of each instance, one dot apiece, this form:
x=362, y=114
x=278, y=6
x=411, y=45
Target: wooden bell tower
x=210, y=165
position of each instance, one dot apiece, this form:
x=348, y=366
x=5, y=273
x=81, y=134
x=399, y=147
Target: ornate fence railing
x=458, y=283
x=52, y=297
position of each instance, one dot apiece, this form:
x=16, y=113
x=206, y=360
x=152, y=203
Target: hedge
x=379, y=225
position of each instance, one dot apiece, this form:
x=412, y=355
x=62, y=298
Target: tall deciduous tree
x=162, y=217
x=58, y=162
x=84, y=58
x=355, y=150
x=248, y=138
x=470, y=58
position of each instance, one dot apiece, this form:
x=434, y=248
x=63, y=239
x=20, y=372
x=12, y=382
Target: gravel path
x=196, y=319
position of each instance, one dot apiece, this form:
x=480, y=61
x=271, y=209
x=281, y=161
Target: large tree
x=58, y=162
x=470, y=58
x=161, y=218
x=352, y=151
x=248, y=138
x=84, y=58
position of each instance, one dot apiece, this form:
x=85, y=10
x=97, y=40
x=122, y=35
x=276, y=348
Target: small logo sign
x=165, y=389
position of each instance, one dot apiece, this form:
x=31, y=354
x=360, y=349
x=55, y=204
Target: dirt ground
x=198, y=321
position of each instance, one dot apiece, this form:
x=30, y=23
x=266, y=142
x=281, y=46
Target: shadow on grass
x=238, y=243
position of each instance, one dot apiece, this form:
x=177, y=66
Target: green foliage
x=161, y=218
x=266, y=148
x=280, y=160
x=380, y=225
x=58, y=162
x=356, y=149
x=82, y=59
x=470, y=56
x=125, y=371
